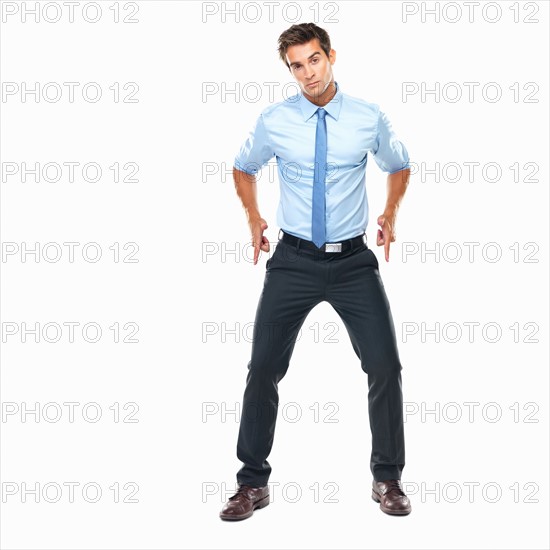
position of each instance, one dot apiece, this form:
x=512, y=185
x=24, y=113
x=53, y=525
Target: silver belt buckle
x=333, y=247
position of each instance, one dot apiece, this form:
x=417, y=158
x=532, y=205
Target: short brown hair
x=301, y=34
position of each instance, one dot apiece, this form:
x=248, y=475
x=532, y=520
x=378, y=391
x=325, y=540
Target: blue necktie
x=318, y=229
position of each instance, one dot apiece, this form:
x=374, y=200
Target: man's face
x=310, y=67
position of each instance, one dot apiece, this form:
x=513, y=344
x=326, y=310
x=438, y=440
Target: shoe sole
x=260, y=504
x=376, y=498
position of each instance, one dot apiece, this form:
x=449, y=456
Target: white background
x=186, y=294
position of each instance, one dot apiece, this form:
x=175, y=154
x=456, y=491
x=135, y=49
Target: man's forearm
x=396, y=186
x=245, y=184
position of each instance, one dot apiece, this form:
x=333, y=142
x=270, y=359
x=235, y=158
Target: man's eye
x=315, y=59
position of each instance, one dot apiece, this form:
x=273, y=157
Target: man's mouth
x=312, y=84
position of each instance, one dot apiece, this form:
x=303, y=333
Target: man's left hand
x=386, y=235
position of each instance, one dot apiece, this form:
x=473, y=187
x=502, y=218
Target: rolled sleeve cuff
x=405, y=167
x=250, y=168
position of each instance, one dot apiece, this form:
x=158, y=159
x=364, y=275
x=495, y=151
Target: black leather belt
x=336, y=248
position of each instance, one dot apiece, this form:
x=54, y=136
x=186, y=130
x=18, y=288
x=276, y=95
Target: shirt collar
x=332, y=107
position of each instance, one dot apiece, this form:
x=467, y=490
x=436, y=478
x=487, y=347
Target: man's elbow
x=242, y=176
x=402, y=175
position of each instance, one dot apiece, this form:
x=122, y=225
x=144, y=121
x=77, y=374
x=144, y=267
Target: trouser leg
x=292, y=287
x=358, y=296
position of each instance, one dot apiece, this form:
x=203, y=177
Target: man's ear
x=332, y=56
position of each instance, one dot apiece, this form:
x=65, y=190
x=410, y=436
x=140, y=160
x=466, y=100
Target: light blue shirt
x=355, y=127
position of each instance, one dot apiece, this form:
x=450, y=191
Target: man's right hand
x=259, y=241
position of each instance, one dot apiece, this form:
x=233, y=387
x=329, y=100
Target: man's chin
x=317, y=90
x=314, y=91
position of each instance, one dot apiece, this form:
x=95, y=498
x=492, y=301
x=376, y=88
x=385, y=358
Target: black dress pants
x=296, y=280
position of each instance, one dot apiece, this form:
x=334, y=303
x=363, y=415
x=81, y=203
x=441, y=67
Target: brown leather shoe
x=243, y=503
x=391, y=497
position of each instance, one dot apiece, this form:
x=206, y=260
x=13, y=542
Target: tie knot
x=321, y=113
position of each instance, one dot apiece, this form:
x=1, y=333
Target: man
x=321, y=139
